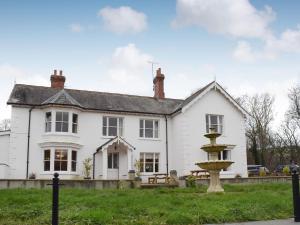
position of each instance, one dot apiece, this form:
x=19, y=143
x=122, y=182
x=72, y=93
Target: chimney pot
x=58, y=81
x=158, y=82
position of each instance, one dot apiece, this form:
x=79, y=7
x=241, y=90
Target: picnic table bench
x=200, y=173
x=158, y=176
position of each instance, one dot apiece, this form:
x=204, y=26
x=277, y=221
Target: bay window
x=215, y=122
x=149, y=128
x=112, y=126
x=60, y=160
x=149, y=162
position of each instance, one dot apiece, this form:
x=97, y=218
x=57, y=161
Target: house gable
x=202, y=92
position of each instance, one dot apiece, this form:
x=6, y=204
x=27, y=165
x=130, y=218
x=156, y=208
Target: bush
x=286, y=170
x=191, y=181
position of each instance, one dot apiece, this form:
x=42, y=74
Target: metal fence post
x=296, y=198
x=55, y=194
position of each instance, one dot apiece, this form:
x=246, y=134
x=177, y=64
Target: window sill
x=61, y=134
x=149, y=139
x=59, y=172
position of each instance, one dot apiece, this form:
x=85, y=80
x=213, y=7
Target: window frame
x=62, y=122
x=106, y=128
x=74, y=124
x=111, y=163
x=155, y=164
x=47, y=160
x=155, y=128
x=48, y=123
x=219, y=124
x=61, y=160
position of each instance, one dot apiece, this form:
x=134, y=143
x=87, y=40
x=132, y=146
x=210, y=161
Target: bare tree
x=258, y=123
x=5, y=124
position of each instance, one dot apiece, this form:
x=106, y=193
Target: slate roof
x=30, y=95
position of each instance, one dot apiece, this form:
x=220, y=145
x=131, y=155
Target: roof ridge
x=102, y=92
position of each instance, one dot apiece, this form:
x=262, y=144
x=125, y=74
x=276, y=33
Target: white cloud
x=288, y=42
x=76, y=28
x=128, y=71
x=8, y=75
x=236, y=18
x=123, y=20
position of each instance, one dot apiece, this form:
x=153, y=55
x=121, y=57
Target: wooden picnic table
x=200, y=173
x=158, y=176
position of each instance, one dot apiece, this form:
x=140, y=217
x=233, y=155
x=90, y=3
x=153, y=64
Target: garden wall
x=249, y=180
x=87, y=184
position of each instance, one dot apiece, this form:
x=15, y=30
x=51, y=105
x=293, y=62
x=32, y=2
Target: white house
x=55, y=129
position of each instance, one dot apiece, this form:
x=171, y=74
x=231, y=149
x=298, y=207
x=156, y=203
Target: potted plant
x=137, y=179
x=32, y=176
x=87, y=166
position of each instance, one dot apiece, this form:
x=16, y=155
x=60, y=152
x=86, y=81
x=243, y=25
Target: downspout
x=94, y=165
x=167, y=146
x=28, y=141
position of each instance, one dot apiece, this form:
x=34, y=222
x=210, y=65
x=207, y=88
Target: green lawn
x=156, y=206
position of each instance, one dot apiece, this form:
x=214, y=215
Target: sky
x=249, y=47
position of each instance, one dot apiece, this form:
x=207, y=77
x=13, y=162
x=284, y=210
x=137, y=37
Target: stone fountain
x=214, y=165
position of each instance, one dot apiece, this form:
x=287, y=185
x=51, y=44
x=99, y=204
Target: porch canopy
x=116, y=144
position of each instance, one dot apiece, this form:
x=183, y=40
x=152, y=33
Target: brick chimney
x=158, y=82
x=58, y=80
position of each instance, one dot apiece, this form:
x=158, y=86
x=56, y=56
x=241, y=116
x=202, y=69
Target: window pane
x=141, y=124
x=64, y=155
x=74, y=155
x=219, y=156
x=109, y=161
x=58, y=126
x=156, y=167
x=64, y=166
x=65, y=127
x=115, y=160
x=58, y=116
x=141, y=133
x=112, y=131
x=65, y=116
x=156, y=124
x=104, y=121
x=74, y=128
x=207, y=123
x=104, y=131
x=75, y=118
x=149, y=124
x=112, y=122
x=121, y=122
x=47, y=155
x=47, y=166
x=142, y=162
x=156, y=134
x=213, y=119
x=57, y=165
x=73, y=166
x=148, y=133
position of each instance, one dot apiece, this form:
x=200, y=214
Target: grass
x=156, y=206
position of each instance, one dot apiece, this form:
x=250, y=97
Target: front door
x=113, y=166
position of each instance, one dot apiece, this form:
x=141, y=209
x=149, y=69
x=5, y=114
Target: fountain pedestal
x=214, y=165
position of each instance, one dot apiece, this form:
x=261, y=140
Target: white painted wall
x=185, y=131
x=4, y=147
x=194, y=126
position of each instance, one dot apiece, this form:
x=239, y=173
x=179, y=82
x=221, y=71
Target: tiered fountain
x=214, y=165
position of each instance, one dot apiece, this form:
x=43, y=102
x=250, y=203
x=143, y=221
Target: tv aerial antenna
x=152, y=66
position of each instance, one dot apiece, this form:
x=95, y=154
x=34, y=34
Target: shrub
x=191, y=181
x=286, y=170
x=262, y=173
x=87, y=166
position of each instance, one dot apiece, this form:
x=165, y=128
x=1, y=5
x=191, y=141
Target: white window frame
x=114, y=156
x=62, y=122
x=143, y=128
x=74, y=124
x=220, y=123
x=120, y=129
x=52, y=160
x=46, y=160
x=48, y=123
x=143, y=164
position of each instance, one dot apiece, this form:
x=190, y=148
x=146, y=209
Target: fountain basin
x=214, y=147
x=215, y=165
x=212, y=135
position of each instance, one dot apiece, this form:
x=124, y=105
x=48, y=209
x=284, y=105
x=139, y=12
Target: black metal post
x=296, y=198
x=55, y=194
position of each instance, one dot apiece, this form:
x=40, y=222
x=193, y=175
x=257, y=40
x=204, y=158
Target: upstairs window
x=48, y=121
x=74, y=123
x=148, y=128
x=112, y=126
x=62, y=122
x=214, y=121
